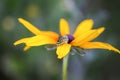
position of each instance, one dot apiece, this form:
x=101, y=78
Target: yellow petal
x=36, y=41
x=98, y=45
x=29, y=26
x=88, y=36
x=100, y=30
x=94, y=35
x=77, y=41
x=36, y=31
x=64, y=27
x=83, y=27
x=51, y=34
x=26, y=48
x=21, y=41
x=63, y=50
x=40, y=40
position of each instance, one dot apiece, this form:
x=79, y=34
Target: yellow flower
x=81, y=38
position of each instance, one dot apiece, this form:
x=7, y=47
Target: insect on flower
x=64, y=39
x=63, y=43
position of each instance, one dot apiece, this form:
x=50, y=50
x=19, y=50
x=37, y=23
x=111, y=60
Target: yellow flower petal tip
x=26, y=48
x=23, y=21
x=16, y=43
x=64, y=27
x=87, y=21
x=59, y=57
x=116, y=50
x=101, y=29
x=62, y=19
x=29, y=26
x=20, y=41
x=19, y=19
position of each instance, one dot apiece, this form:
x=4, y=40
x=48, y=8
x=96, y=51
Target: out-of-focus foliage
x=40, y=64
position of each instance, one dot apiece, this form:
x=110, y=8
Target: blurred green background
x=39, y=64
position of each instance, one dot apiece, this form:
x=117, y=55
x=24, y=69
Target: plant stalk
x=64, y=67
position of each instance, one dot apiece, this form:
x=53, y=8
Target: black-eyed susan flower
x=82, y=37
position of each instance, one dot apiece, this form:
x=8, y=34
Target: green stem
x=64, y=68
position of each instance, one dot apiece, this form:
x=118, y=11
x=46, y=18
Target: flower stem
x=64, y=67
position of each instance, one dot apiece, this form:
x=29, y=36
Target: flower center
x=65, y=39
x=70, y=37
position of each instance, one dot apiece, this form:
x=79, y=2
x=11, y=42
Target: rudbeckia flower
x=82, y=37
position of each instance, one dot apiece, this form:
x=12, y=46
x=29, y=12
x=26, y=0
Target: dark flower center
x=70, y=38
